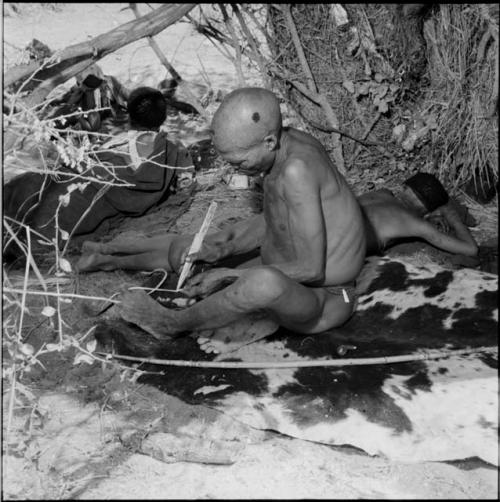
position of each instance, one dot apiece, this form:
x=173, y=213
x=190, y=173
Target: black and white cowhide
x=443, y=409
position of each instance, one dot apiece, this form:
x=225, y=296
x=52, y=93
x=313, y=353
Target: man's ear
x=271, y=142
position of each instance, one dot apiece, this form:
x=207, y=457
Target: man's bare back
x=388, y=218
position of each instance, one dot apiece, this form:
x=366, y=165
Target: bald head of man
x=247, y=117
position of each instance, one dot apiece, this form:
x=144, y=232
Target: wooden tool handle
x=196, y=244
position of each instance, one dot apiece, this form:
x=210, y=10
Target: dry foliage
x=366, y=77
x=462, y=45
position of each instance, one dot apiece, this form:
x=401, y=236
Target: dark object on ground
x=482, y=190
x=429, y=190
x=488, y=259
x=203, y=154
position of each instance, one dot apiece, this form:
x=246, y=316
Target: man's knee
x=263, y=285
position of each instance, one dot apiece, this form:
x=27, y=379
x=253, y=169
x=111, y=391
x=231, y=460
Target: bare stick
x=29, y=258
x=96, y=197
x=361, y=361
x=196, y=244
x=12, y=395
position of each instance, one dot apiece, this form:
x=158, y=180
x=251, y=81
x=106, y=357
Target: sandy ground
x=78, y=441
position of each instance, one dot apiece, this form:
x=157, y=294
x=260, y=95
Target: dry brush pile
x=416, y=85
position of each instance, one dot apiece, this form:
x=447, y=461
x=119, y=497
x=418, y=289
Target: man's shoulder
x=294, y=166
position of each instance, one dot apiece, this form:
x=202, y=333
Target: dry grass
x=462, y=53
x=459, y=90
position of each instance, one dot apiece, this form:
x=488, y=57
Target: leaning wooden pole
x=75, y=58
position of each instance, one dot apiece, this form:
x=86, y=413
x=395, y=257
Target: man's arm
x=305, y=224
x=239, y=238
x=462, y=243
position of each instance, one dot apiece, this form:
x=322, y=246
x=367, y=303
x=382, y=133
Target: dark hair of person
x=429, y=190
x=146, y=108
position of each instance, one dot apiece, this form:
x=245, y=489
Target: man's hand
x=458, y=241
x=210, y=252
x=439, y=220
x=213, y=249
x=210, y=281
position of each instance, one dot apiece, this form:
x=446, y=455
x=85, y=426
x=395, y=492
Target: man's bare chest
x=276, y=214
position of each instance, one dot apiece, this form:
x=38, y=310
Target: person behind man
x=310, y=235
x=143, y=157
x=101, y=97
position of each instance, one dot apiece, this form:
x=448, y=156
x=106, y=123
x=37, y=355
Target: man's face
x=251, y=160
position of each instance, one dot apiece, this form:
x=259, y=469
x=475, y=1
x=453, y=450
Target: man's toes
x=204, y=336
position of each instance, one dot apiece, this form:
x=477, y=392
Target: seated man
x=311, y=234
x=144, y=161
x=387, y=220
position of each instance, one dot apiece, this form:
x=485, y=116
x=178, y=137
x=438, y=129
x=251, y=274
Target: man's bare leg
x=130, y=244
x=258, y=290
x=143, y=261
x=248, y=329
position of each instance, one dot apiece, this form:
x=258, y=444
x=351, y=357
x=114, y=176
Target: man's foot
x=237, y=334
x=140, y=309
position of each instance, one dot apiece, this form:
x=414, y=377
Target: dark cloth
x=150, y=180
